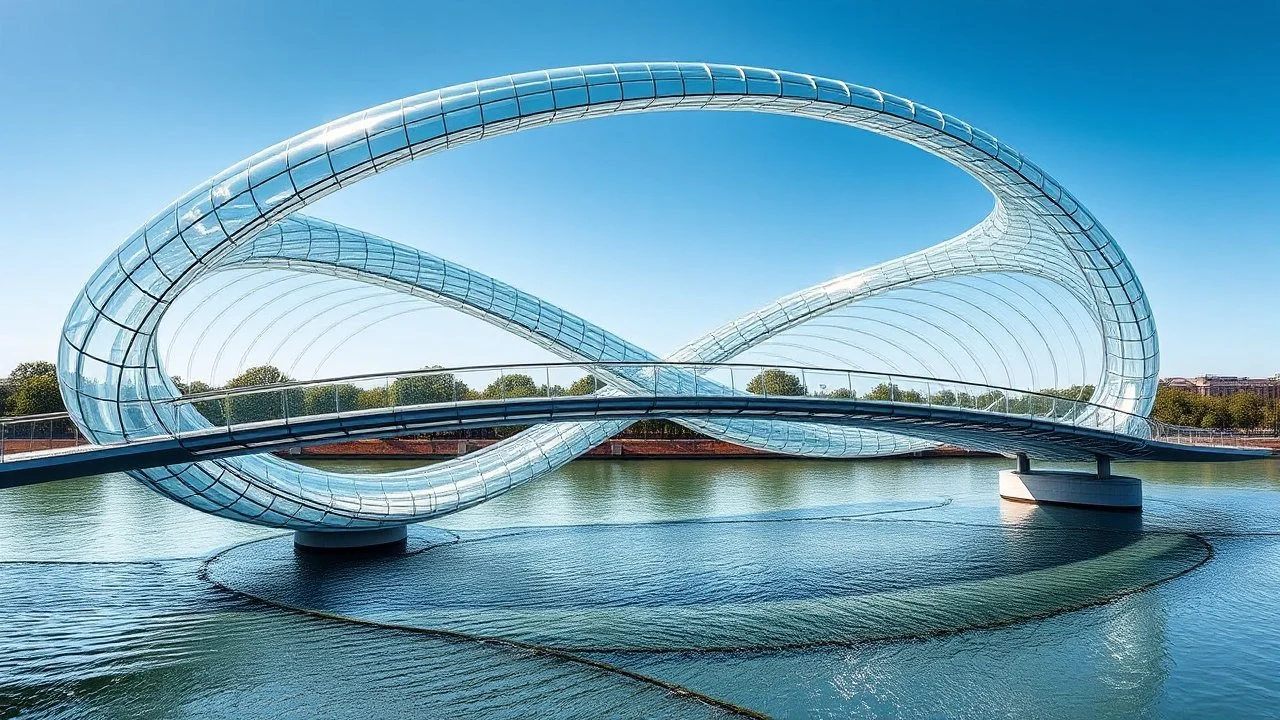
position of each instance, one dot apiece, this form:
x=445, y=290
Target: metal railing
x=38, y=433
x=233, y=408
x=374, y=392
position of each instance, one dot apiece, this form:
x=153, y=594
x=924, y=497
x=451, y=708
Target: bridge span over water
x=1038, y=293
x=235, y=422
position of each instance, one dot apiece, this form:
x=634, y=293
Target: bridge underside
x=975, y=430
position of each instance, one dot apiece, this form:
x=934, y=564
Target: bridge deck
x=997, y=432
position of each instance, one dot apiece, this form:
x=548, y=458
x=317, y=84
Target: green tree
x=259, y=407
x=842, y=394
x=660, y=429
x=196, y=387
x=1176, y=407
x=373, y=398
x=1271, y=417
x=1215, y=418
x=258, y=375
x=213, y=410
x=28, y=370
x=891, y=391
x=585, y=385
x=512, y=386
x=944, y=397
x=37, y=394
x=911, y=396
x=1238, y=410
x=883, y=391
x=776, y=382
x=991, y=400
x=427, y=389
x=1246, y=410
x=32, y=389
x=1073, y=392
x=327, y=399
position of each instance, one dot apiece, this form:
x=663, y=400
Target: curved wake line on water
x=673, y=688
x=920, y=635
x=1212, y=533
x=562, y=654
x=941, y=632
x=872, y=517
x=573, y=651
x=1154, y=529
x=771, y=517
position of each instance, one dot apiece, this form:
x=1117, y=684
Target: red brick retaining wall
x=21, y=445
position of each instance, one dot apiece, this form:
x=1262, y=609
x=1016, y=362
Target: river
x=656, y=589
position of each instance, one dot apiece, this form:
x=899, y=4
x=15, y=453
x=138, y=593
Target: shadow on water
x=838, y=575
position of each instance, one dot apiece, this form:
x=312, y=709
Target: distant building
x=1220, y=385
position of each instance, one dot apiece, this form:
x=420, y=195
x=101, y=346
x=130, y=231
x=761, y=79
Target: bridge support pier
x=1099, y=490
x=340, y=540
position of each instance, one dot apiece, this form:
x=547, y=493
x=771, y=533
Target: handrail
x=892, y=379
x=1077, y=408
x=8, y=438
x=6, y=419
x=425, y=372
x=1077, y=413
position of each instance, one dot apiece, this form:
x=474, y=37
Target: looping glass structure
x=116, y=386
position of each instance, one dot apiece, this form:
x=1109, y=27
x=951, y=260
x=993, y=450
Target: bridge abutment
x=340, y=540
x=1099, y=490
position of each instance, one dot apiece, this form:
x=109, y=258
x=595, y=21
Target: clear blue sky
x=1161, y=118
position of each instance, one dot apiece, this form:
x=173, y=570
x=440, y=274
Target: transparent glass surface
x=247, y=216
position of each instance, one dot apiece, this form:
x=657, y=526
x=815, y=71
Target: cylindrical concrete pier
x=338, y=540
x=1077, y=489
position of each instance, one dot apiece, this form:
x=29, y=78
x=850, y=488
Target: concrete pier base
x=339, y=540
x=1076, y=489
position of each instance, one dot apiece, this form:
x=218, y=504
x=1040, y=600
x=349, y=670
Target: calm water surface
x=897, y=588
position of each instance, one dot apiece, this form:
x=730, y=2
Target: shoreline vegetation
x=32, y=388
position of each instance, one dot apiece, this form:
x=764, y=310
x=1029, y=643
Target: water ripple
x=729, y=584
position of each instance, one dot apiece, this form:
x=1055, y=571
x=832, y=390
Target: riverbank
x=1270, y=443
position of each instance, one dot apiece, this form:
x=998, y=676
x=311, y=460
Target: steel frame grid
x=112, y=377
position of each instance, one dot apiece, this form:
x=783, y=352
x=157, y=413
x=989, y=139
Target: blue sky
x=1162, y=121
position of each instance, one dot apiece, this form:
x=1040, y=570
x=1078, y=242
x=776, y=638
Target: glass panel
x=462, y=119
x=459, y=97
x=571, y=97
x=605, y=93
x=426, y=130
x=350, y=156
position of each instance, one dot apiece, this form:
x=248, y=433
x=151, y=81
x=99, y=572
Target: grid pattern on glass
x=115, y=384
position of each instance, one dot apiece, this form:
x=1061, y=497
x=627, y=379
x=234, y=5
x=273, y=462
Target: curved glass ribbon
x=115, y=385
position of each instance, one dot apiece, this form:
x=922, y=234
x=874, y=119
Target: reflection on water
x=881, y=588
x=765, y=581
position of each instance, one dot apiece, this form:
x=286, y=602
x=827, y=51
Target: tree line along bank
x=32, y=388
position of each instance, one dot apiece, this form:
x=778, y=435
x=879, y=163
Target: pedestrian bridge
x=1037, y=295
x=242, y=421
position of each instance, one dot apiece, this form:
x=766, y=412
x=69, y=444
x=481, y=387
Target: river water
x=656, y=589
